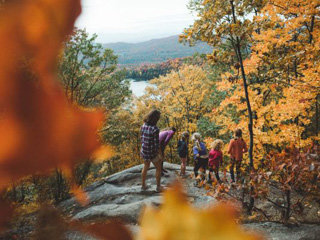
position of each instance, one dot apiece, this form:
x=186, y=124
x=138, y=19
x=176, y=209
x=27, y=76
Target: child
x=183, y=152
x=237, y=148
x=199, y=154
x=215, y=159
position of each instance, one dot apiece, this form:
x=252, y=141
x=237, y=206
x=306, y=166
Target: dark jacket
x=182, y=149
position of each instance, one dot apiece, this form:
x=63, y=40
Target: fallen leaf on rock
x=253, y=216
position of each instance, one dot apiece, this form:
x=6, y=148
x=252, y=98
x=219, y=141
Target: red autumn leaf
x=282, y=166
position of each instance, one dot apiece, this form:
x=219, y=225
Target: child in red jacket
x=215, y=159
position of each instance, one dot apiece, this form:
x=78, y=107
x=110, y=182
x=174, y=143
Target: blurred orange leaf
x=177, y=219
x=80, y=195
x=39, y=129
x=103, y=153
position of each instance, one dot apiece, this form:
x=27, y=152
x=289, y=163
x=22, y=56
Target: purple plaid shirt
x=149, y=141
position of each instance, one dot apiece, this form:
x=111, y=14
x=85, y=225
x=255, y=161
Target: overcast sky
x=134, y=20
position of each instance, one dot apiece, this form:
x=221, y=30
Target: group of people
x=213, y=159
x=154, y=142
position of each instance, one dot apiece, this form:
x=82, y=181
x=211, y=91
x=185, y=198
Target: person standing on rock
x=237, y=148
x=150, y=148
x=215, y=159
x=183, y=152
x=164, y=138
x=200, y=155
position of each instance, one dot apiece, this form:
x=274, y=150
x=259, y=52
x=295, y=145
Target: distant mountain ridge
x=155, y=50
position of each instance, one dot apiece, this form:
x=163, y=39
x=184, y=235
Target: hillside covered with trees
x=154, y=51
x=150, y=71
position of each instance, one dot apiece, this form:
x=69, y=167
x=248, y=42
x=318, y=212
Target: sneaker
x=145, y=188
x=160, y=189
x=164, y=174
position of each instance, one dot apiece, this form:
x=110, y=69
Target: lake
x=138, y=88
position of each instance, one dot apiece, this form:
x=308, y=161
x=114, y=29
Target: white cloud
x=134, y=20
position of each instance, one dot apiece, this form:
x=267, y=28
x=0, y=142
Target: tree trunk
x=288, y=204
x=317, y=116
x=83, y=171
x=14, y=191
x=311, y=29
x=245, y=86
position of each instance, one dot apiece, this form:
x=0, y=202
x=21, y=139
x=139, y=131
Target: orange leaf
x=39, y=129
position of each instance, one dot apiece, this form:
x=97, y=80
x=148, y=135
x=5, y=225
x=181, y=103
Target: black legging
x=238, y=165
x=200, y=163
x=216, y=172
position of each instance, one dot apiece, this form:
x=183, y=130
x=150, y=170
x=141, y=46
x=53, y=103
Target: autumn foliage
x=271, y=50
x=39, y=129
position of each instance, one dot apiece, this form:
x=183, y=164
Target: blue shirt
x=201, y=152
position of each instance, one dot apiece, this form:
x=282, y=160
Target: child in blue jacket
x=200, y=155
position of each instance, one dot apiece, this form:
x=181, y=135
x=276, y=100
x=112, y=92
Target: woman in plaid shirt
x=150, y=148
